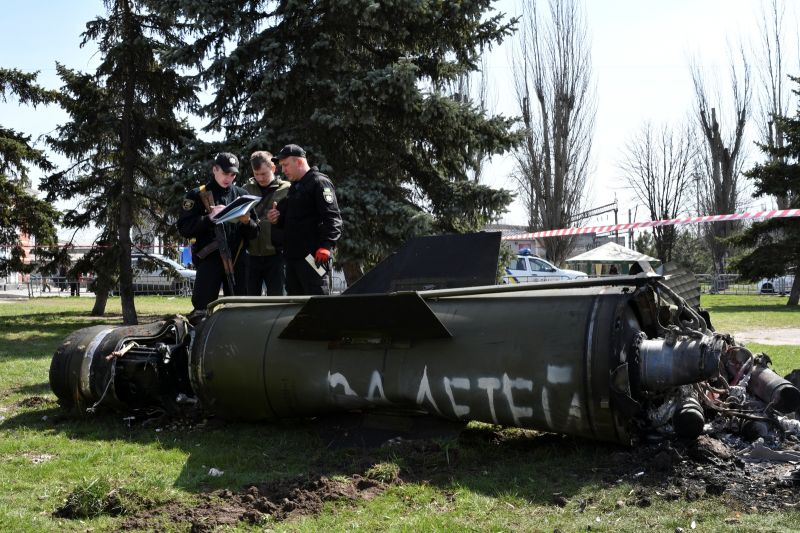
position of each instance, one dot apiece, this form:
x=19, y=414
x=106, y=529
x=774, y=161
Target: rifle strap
x=206, y=250
x=241, y=245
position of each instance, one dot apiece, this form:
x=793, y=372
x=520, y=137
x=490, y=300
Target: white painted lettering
x=490, y=385
x=337, y=379
x=424, y=392
x=376, y=384
x=520, y=384
x=548, y=417
x=575, y=416
x=559, y=375
x=459, y=383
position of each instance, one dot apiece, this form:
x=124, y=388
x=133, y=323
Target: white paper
x=319, y=269
x=241, y=206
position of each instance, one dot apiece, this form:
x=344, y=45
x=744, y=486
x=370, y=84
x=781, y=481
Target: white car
x=532, y=268
x=154, y=273
x=780, y=285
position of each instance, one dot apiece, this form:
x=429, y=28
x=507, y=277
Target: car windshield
x=160, y=259
x=541, y=265
x=171, y=262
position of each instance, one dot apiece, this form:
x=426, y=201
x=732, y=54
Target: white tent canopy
x=612, y=253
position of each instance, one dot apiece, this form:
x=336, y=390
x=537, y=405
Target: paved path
x=772, y=336
x=15, y=295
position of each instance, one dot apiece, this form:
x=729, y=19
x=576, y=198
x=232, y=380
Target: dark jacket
x=270, y=237
x=195, y=223
x=310, y=216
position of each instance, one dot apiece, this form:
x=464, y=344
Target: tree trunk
x=100, y=301
x=125, y=220
x=794, y=296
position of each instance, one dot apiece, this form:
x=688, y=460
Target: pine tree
x=124, y=126
x=21, y=212
x=361, y=85
x=775, y=242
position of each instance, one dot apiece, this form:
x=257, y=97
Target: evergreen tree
x=691, y=252
x=775, y=242
x=124, y=126
x=21, y=212
x=360, y=84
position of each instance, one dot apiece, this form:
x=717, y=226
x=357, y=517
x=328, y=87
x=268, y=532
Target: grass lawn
x=754, y=312
x=488, y=479
x=747, y=312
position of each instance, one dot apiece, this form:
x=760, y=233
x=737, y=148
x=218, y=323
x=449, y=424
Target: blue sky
x=641, y=51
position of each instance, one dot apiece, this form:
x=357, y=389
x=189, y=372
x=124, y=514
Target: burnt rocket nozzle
x=664, y=364
x=773, y=389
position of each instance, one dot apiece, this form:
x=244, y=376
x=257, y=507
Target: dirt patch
x=36, y=401
x=260, y=504
x=98, y=498
x=38, y=458
x=771, y=336
x=710, y=467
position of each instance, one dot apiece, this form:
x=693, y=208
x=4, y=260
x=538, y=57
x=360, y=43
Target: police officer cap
x=227, y=162
x=288, y=151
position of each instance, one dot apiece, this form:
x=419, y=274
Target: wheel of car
x=767, y=288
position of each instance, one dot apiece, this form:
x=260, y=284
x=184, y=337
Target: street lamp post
x=697, y=178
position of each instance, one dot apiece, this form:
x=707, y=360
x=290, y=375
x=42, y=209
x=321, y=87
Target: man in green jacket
x=265, y=259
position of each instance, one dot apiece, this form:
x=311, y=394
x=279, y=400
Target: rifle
x=207, y=197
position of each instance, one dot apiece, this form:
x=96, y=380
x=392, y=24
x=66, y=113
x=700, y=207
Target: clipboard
x=241, y=206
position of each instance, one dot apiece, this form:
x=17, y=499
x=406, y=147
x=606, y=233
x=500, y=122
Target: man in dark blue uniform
x=310, y=218
x=195, y=222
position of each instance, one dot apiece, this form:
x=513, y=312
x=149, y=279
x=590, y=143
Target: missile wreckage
x=615, y=359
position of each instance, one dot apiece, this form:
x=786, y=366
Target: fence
x=724, y=284
x=36, y=286
x=709, y=284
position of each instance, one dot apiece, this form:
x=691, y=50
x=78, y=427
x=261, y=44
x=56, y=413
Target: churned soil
x=258, y=504
x=663, y=471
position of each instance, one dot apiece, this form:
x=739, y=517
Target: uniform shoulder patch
x=188, y=203
x=327, y=194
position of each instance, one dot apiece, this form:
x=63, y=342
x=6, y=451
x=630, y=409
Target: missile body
x=575, y=358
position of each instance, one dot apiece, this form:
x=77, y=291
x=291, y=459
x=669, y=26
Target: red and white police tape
x=775, y=213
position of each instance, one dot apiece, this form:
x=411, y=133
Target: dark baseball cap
x=288, y=151
x=227, y=162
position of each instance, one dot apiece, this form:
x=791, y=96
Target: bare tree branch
x=773, y=97
x=658, y=167
x=722, y=160
x=555, y=94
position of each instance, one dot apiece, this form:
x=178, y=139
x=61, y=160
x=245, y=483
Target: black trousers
x=267, y=269
x=302, y=279
x=211, y=275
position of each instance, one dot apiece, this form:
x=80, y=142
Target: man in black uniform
x=195, y=222
x=310, y=218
